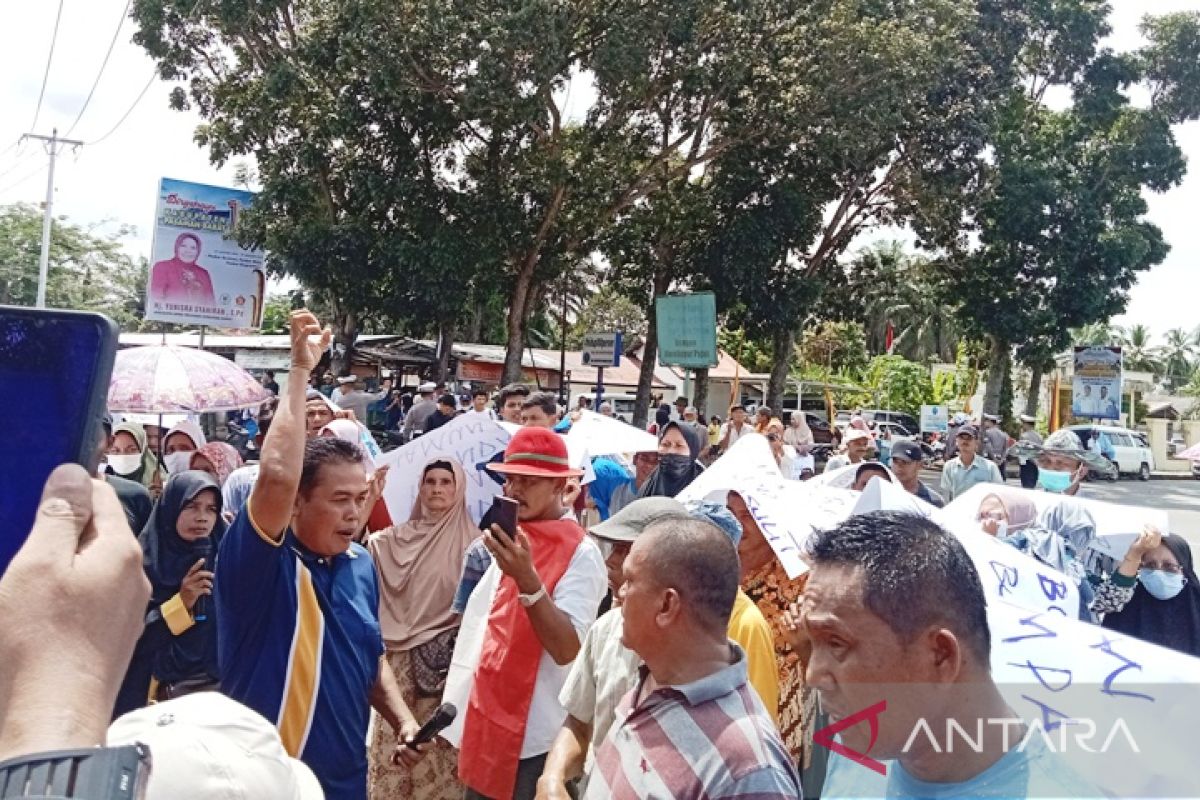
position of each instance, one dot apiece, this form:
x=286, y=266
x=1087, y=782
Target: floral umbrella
x=168, y=379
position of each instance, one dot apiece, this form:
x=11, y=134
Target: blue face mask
x=1053, y=480
x=1161, y=584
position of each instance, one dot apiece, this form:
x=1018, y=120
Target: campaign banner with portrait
x=199, y=273
x=1096, y=386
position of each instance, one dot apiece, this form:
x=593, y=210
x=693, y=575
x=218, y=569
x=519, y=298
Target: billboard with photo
x=199, y=275
x=1096, y=386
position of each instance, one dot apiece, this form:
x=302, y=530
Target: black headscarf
x=166, y=556
x=1173, y=623
x=675, y=473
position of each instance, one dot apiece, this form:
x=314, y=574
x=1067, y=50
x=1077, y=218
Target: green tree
x=1059, y=210
x=1137, y=352
x=87, y=272
x=1096, y=334
x=838, y=347
x=608, y=310
x=899, y=384
x=1179, y=353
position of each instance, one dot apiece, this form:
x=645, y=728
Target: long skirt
x=436, y=776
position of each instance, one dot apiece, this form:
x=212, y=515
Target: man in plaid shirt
x=680, y=581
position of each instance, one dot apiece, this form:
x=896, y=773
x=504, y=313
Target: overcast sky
x=114, y=181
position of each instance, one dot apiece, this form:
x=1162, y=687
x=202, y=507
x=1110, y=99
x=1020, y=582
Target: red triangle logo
x=871, y=714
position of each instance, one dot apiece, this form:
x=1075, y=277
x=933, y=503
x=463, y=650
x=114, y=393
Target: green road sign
x=687, y=330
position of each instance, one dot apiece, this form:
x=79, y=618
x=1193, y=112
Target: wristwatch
x=93, y=773
x=529, y=600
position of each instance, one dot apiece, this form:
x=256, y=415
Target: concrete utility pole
x=52, y=142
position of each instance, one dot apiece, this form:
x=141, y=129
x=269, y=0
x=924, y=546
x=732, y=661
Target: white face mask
x=124, y=464
x=178, y=462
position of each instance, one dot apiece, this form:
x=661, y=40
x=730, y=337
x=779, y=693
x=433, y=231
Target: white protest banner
x=1116, y=526
x=1007, y=574
x=843, y=477
x=1134, y=702
x=778, y=505
x=605, y=436
x=469, y=439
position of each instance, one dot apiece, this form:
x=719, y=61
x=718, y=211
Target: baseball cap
x=907, y=451
x=536, y=452
x=427, y=387
x=1027, y=418
x=628, y=523
x=854, y=434
x=345, y=379
x=206, y=745
x=691, y=410
x=720, y=515
x=990, y=418
x=967, y=430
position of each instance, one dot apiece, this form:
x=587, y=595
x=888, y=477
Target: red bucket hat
x=537, y=452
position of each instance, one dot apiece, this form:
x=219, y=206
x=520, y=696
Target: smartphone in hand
x=504, y=514
x=55, y=367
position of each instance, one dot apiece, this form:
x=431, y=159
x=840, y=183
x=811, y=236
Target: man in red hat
x=523, y=626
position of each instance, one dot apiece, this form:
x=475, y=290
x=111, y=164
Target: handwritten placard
x=469, y=439
x=783, y=509
x=1007, y=574
x=1122, y=709
x=1117, y=526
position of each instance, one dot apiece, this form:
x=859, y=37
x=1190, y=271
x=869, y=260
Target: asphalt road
x=1180, y=499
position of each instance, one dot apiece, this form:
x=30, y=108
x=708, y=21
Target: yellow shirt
x=749, y=628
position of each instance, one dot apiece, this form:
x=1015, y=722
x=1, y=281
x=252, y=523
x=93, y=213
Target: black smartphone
x=504, y=514
x=55, y=367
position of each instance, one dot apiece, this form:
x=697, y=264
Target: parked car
x=622, y=404
x=898, y=431
x=880, y=415
x=1130, y=453
x=1196, y=470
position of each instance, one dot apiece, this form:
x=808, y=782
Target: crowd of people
x=276, y=609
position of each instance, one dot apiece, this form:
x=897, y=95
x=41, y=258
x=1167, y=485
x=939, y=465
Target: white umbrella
x=605, y=436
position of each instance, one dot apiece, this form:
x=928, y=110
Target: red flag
x=891, y=337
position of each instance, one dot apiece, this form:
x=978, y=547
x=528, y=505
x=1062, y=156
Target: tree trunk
x=783, y=349
x=700, y=401
x=518, y=318
x=997, y=360
x=345, y=333
x=641, y=407
x=445, y=347
x=1035, y=389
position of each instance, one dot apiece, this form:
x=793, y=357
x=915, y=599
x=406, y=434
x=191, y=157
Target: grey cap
x=968, y=430
x=1029, y=420
x=628, y=523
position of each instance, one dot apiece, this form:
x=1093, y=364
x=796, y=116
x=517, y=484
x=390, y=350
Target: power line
x=21, y=161
x=103, y=64
x=128, y=111
x=24, y=178
x=49, y=60
x=153, y=76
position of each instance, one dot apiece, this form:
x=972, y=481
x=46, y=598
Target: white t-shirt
x=577, y=594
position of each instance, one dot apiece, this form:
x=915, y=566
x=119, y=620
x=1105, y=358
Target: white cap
x=206, y=745
x=345, y=379
x=854, y=434
x=428, y=386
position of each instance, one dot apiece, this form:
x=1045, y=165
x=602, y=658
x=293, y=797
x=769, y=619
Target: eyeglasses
x=1165, y=566
x=608, y=546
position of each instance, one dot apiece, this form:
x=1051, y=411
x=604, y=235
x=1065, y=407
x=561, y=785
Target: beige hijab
x=419, y=564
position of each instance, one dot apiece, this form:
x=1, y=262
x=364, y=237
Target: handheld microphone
x=440, y=720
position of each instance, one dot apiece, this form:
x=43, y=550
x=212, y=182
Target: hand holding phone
x=62, y=361
x=504, y=514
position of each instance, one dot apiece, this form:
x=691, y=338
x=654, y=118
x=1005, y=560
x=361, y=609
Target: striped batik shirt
x=711, y=738
x=299, y=642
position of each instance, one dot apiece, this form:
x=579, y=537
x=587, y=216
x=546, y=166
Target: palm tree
x=1137, y=352
x=1179, y=356
x=1097, y=334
